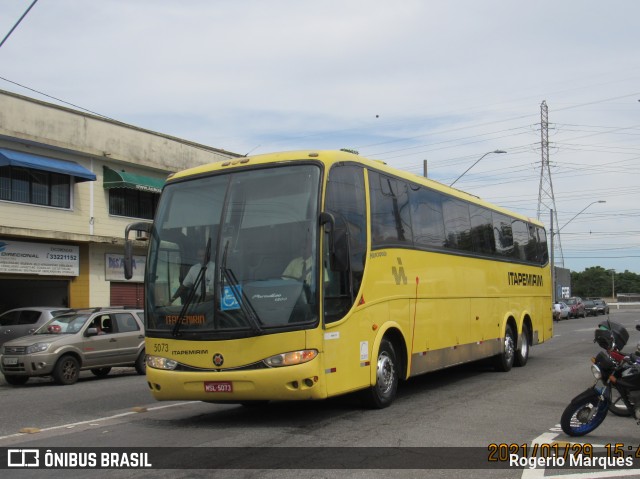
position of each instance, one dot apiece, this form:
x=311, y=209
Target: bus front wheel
x=383, y=392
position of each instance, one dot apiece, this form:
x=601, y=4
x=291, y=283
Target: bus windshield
x=235, y=254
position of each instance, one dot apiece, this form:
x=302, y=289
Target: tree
x=596, y=281
x=627, y=282
x=592, y=282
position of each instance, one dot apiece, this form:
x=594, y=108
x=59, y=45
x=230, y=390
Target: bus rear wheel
x=522, y=354
x=383, y=392
x=504, y=361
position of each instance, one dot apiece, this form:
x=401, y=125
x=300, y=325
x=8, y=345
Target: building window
x=25, y=185
x=133, y=203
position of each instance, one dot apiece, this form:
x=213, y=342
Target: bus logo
x=398, y=273
x=23, y=457
x=218, y=359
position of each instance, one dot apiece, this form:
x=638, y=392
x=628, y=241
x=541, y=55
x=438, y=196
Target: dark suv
x=601, y=306
x=96, y=339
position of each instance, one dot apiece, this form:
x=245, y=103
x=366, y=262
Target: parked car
x=22, y=321
x=577, y=307
x=602, y=306
x=96, y=340
x=590, y=308
x=560, y=311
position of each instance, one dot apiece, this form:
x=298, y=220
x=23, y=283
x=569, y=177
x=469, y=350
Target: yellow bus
x=310, y=274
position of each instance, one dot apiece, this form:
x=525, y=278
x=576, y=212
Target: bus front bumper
x=299, y=382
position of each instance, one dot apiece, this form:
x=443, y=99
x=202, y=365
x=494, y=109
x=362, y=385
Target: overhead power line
x=57, y=99
x=17, y=23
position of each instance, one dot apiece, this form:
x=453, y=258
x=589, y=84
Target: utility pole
x=546, y=198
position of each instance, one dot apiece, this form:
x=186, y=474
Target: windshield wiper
x=192, y=292
x=243, y=301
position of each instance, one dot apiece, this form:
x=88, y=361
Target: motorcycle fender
x=589, y=393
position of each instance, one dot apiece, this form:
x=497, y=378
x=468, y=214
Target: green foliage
x=599, y=282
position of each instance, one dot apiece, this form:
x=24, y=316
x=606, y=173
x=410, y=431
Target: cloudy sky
x=403, y=81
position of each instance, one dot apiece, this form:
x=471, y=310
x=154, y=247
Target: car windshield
x=235, y=254
x=64, y=324
x=572, y=301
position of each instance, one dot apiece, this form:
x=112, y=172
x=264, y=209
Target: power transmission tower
x=546, y=199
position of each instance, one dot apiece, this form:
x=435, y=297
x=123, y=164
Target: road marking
x=549, y=438
x=94, y=422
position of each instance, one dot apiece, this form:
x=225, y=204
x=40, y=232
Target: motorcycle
x=616, y=389
x=612, y=337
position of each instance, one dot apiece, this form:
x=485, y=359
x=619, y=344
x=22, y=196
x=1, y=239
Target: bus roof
x=330, y=157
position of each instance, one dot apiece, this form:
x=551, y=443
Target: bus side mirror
x=142, y=230
x=338, y=241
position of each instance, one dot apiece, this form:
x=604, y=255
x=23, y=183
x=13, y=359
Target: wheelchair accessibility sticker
x=229, y=299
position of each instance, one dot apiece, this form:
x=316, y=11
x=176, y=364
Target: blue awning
x=35, y=162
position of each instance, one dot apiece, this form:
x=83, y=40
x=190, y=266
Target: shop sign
x=114, y=268
x=39, y=258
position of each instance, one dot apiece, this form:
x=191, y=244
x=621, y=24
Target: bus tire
x=504, y=361
x=522, y=353
x=383, y=392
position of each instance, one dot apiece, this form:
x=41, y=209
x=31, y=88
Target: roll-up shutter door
x=127, y=294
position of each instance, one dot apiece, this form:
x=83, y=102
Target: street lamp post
x=475, y=163
x=580, y=212
x=613, y=284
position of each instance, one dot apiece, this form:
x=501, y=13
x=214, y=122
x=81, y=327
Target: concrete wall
x=36, y=122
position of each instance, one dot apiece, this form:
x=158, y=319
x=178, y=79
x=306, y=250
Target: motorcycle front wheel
x=583, y=415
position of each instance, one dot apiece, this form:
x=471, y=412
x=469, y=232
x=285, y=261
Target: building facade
x=69, y=184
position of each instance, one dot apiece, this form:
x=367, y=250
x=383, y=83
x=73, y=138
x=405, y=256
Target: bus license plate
x=218, y=386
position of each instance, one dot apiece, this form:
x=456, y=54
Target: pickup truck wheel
x=66, y=370
x=141, y=363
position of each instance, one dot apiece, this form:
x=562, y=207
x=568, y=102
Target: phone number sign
x=39, y=258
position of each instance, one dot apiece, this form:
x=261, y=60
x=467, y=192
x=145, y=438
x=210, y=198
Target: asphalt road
x=470, y=406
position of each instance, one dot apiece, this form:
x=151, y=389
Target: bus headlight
x=157, y=362
x=292, y=358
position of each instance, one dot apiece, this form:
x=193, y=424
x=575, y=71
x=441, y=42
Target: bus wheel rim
x=509, y=349
x=385, y=373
